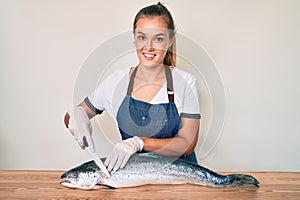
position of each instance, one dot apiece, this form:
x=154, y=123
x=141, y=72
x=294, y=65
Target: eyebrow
x=159, y=34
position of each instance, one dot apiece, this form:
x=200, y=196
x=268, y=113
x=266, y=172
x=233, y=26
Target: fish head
x=85, y=176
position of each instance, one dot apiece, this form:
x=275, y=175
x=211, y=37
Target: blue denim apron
x=142, y=119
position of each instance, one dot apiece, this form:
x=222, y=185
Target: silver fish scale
x=151, y=170
x=88, y=179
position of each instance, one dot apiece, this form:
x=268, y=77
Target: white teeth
x=149, y=55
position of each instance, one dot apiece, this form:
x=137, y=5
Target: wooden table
x=45, y=185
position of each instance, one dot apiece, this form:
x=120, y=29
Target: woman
x=152, y=116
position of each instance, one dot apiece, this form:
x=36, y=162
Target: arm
x=183, y=144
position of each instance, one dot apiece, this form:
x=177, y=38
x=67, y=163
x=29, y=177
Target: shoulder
x=182, y=75
x=116, y=76
x=111, y=80
x=120, y=73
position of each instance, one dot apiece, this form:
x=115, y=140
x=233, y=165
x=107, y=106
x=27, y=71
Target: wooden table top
x=46, y=185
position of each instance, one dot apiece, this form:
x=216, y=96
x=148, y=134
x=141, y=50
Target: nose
x=149, y=46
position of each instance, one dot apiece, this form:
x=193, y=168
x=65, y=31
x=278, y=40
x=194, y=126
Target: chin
x=152, y=64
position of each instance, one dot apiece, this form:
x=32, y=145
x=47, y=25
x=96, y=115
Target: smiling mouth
x=149, y=56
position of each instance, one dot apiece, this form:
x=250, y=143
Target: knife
x=96, y=158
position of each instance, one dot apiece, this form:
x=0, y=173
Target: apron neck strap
x=169, y=83
x=130, y=85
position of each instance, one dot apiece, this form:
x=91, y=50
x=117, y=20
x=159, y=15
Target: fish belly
x=142, y=170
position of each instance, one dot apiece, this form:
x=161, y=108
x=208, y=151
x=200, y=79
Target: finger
x=81, y=145
x=111, y=161
x=72, y=131
x=107, y=160
x=125, y=160
x=120, y=160
x=111, y=165
x=90, y=142
x=80, y=142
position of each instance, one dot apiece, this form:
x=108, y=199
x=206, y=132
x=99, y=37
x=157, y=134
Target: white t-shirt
x=111, y=92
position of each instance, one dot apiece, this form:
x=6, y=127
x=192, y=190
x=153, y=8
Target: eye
x=141, y=37
x=159, y=39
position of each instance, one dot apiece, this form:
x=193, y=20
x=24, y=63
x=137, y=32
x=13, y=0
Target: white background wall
x=254, y=44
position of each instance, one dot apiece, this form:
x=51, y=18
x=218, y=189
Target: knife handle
x=85, y=142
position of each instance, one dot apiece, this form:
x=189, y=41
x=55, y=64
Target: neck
x=151, y=73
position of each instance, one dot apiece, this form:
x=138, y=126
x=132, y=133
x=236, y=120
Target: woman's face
x=152, y=40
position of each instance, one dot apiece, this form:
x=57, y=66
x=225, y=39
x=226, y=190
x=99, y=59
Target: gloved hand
x=122, y=152
x=80, y=127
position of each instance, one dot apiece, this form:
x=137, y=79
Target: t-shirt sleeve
x=96, y=100
x=101, y=98
x=92, y=107
x=190, y=107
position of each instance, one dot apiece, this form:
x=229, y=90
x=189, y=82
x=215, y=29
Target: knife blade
x=96, y=158
x=98, y=162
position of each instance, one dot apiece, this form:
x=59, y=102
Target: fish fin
x=105, y=186
x=241, y=180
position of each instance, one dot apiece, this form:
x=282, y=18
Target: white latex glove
x=122, y=151
x=81, y=128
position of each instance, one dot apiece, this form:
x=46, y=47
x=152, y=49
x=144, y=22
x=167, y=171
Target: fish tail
x=240, y=180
